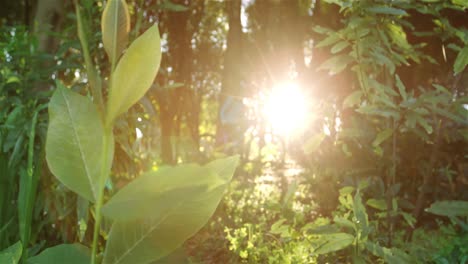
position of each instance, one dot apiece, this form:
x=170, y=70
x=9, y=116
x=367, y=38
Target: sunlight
x=285, y=108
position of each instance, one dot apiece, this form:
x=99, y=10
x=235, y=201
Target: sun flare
x=285, y=108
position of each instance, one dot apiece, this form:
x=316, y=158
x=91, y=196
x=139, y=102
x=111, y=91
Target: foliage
x=22, y=132
x=71, y=146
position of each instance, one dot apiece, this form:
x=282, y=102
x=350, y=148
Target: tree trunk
x=231, y=87
x=49, y=17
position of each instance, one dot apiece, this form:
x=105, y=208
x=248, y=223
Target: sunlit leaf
x=174, y=218
x=115, y=25
x=461, y=61
x=13, y=79
x=449, y=208
x=224, y=167
x=149, y=193
x=135, y=73
x=334, y=242
x=74, y=143
x=347, y=190
x=463, y=3
x=12, y=254
x=398, y=36
x=146, y=240
x=65, y=253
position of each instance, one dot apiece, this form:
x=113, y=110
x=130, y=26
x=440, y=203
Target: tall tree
x=231, y=76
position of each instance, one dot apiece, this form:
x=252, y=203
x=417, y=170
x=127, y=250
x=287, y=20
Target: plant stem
x=100, y=198
x=97, y=227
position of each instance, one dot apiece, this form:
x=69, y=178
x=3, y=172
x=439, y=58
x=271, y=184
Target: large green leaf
x=65, y=253
x=74, y=143
x=224, y=167
x=115, y=25
x=461, y=60
x=135, y=73
x=449, y=208
x=149, y=194
x=175, y=216
x=12, y=254
x=334, y=242
x=146, y=240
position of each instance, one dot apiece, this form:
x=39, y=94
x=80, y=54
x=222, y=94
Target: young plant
x=354, y=231
x=153, y=215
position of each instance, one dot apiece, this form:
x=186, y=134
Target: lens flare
x=285, y=108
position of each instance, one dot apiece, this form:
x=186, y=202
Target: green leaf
x=360, y=212
x=379, y=204
x=224, y=167
x=330, y=40
x=147, y=195
x=399, y=38
x=336, y=64
x=343, y=222
x=423, y=122
x=339, y=46
x=147, y=240
x=353, y=99
x=135, y=73
x=386, y=10
x=74, y=143
x=13, y=79
x=449, y=208
x=461, y=61
x=115, y=25
x=382, y=136
x=397, y=256
x=174, y=218
x=12, y=254
x=334, y=242
x=65, y=253
x=409, y=218
x=463, y=3
x=401, y=88
x=313, y=143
